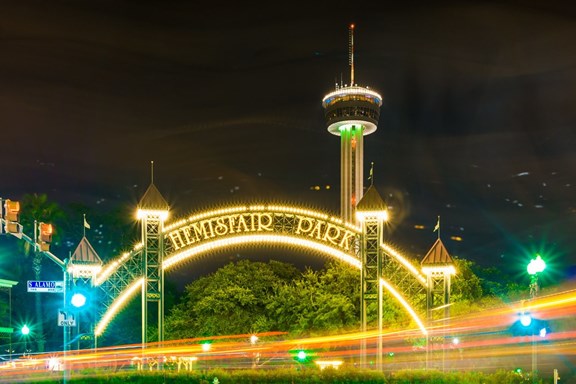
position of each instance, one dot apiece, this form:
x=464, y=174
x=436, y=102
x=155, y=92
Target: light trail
x=486, y=343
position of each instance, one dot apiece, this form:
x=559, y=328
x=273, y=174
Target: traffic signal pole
x=11, y=223
x=65, y=328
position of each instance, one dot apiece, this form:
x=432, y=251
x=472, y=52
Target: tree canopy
x=246, y=297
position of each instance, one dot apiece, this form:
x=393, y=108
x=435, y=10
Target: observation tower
x=351, y=112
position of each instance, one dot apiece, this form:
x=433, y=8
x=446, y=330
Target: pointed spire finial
x=152, y=172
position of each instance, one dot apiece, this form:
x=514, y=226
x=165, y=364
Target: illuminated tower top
x=350, y=103
x=351, y=112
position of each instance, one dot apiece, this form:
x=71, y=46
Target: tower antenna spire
x=351, y=53
x=152, y=172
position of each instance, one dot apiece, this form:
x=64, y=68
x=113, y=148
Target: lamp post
x=535, y=267
x=78, y=301
x=25, y=331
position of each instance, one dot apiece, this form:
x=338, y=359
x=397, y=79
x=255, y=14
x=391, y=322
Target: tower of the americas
x=351, y=112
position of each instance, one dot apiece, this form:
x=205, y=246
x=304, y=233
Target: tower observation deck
x=351, y=111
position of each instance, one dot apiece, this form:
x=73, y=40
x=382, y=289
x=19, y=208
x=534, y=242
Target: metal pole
x=95, y=347
x=534, y=358
x=533, y=292
x=78, y=330
x=65, y=328
x=427, y=351
x=380, y=315
x=10, y=306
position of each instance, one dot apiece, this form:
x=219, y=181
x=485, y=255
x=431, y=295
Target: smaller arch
x=117, y=305
x=260, y=238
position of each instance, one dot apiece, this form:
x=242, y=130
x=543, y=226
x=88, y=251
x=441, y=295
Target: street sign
x=45, y=286
x=66, y=319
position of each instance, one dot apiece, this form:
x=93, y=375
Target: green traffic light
x=25, y=330
x=302, y=355
x=78, y=300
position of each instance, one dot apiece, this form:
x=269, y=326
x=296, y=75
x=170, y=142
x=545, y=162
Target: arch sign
x=200, y=234
x=261, y=223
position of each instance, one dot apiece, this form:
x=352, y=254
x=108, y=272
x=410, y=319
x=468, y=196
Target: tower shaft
x=351, y=170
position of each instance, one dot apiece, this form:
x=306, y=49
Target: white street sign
x=66, y=319
x=45, y=286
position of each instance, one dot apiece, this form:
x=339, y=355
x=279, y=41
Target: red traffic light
x=46, y=231
x=12, y=211
x=45, y=238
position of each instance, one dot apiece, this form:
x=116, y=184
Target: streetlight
x=206, y=347
x=25, y=331
x=535, y=267
x=256, y=354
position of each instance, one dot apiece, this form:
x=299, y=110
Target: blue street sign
x=45, y=286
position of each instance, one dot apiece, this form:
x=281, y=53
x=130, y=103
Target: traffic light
x=78, y=300
x=528, y=325
x=80, y=295
x=45, y=236
x=12, y=212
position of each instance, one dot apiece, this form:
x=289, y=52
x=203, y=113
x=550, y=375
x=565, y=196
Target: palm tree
x=37, y=208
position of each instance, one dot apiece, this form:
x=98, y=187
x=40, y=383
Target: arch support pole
x=371, y=212
x=152, y=212
x=153, y=287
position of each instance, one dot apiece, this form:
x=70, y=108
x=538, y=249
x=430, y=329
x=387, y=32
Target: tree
x=247, y=297
x=468, y=293
x=37, y=208
x=466, y=285
x=323, y=301
x=233, y=300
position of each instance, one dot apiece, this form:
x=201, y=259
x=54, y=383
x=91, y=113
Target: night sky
x=478, y=124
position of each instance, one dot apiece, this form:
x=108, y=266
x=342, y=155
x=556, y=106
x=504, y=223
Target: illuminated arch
x=255, y=224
